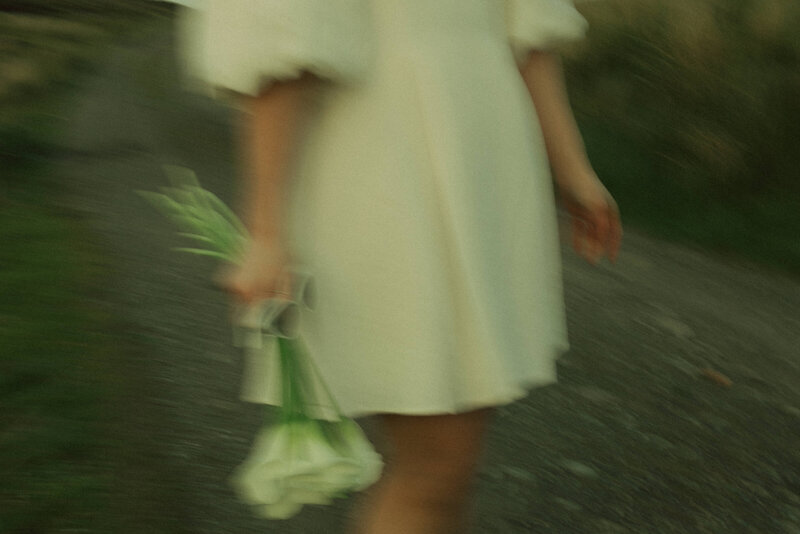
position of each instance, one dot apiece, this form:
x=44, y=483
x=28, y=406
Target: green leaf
x=198, y=237
x=225, y=211
x=205, y=252
x=180, y=176
x=200, y=215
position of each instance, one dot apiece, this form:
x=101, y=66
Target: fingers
x=248, y=285
x=582, y=240
x=597, y=231
x=282, y=288
x=246, y=295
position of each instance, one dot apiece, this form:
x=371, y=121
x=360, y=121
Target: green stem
x=288, y=393
x=305, y=376
x=314, y=370
x=294, y=403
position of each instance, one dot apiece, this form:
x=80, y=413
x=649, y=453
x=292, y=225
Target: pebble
x=658, y=441
x=716, y=377
x=594, y=421
x=675, y=327
x=516, y=472
x=568, y=505
x=505, y=472
x=684, y=366
x=579, y=469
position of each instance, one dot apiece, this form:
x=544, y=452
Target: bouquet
x=301, y=457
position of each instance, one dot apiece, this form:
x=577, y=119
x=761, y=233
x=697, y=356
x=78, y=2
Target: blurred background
x=690, y=111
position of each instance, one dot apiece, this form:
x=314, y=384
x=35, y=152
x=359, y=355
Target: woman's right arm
x=269, y=133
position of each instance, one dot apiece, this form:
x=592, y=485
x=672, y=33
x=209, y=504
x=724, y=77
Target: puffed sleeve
x=542, y=24
x=243, y=45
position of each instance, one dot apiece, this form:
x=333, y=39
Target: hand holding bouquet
x=264, y=272
x=302, y=458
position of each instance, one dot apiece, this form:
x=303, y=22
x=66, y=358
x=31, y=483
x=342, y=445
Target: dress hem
x=465, y=407
x=509, y=396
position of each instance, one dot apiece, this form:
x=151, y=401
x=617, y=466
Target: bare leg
x=428, y=477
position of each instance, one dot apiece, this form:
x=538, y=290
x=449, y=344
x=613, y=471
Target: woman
x=399, y=150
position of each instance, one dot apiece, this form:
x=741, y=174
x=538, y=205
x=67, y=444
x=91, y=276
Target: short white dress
x=420, y=199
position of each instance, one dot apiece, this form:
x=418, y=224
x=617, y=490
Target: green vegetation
x=44, y=47
x=690, y=113
x=54, y=389
x=57, y=387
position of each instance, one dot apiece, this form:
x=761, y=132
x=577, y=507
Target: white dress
x=421, y=198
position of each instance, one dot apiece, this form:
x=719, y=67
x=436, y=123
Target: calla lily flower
x=296, y=463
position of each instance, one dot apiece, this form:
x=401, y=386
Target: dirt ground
x=635, y=438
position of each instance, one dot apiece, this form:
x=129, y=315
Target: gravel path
x=641, y=435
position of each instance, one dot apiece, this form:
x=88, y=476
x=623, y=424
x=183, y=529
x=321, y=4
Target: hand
x=596, y=227
x=263, y=274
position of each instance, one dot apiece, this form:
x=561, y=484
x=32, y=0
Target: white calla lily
x=283, y=509
x=353, y=443
x=295, y=463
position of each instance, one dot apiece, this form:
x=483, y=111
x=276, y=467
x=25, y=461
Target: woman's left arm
x=596, y=227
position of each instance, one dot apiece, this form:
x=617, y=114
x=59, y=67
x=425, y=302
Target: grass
x=58, y=387
x=762, y=227
x=690, y=115
x=55, y=387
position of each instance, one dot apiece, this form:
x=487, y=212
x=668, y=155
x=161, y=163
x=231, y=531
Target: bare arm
x=596, y=228
x=544, y=78
x=269, y=134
